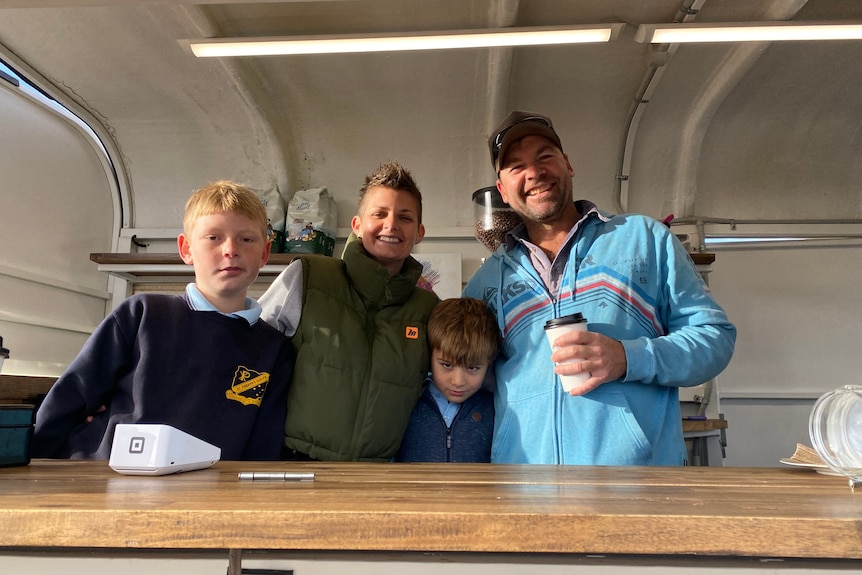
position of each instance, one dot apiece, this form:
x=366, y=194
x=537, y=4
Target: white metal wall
x=798, y=311
x=55, y=208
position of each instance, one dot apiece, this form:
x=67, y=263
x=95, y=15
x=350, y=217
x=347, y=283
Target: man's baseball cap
x=517, y=125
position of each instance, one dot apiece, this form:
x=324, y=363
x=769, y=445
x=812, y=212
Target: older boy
x=201, y=362
x=454, y=419
x=358, y=325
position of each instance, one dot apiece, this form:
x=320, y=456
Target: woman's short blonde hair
x=392, y=175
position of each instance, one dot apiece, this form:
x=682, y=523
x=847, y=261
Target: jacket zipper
x=449, y=443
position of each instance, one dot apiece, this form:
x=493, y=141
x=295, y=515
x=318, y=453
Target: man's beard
x=548, y=209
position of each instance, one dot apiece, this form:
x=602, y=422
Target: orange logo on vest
x=412, y=332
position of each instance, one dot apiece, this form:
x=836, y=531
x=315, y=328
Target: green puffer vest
x=362, y=356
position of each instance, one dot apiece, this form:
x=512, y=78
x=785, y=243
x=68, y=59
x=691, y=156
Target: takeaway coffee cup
x=556, y=327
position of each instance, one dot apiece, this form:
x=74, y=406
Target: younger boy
x=200, y=362
x=454, y=419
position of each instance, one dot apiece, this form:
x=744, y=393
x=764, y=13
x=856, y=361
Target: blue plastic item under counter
x=16, y=432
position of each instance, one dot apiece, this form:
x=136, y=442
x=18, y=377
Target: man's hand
x=603, y=358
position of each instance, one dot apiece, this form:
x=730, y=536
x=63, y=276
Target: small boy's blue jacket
x=468, y=440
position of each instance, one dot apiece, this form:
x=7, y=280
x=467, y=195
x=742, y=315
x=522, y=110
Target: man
x=653, y=327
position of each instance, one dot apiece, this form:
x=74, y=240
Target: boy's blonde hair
x=464, y=331
x=224, y=197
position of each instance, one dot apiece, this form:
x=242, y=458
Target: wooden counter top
x=764, y=512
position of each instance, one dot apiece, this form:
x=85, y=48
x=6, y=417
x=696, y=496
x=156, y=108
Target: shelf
x=698, y=425
x=154, y=267
x=142, y=267
x=702, y=259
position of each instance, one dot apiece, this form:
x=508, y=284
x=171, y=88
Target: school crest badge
x=248, y=386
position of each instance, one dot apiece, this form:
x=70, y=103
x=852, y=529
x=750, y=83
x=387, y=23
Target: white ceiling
x=745, y=132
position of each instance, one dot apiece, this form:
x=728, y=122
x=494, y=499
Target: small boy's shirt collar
x=447, y=409
x=251, y=313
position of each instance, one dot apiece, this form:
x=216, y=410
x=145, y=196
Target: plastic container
x=835, y=427
x=16, y=432
x=493, y=217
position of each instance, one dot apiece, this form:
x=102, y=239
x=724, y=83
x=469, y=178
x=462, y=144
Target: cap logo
x=522, y=120
x=498, y=141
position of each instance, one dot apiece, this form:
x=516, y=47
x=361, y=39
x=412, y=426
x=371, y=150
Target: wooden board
x=18, y=389
x=765, y=512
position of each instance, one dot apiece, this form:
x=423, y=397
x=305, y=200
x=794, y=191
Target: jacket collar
x=373, y=281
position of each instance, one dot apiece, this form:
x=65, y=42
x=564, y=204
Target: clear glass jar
x=493, y=217
x=835, y=427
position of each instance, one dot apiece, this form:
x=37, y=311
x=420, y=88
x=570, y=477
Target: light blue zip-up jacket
x=634, y=282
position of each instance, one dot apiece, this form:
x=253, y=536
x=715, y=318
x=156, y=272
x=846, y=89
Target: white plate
x=822, y=469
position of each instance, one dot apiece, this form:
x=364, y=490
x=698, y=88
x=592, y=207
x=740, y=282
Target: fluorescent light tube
x=276, y=46
x=747, y=32
x=716, y=240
